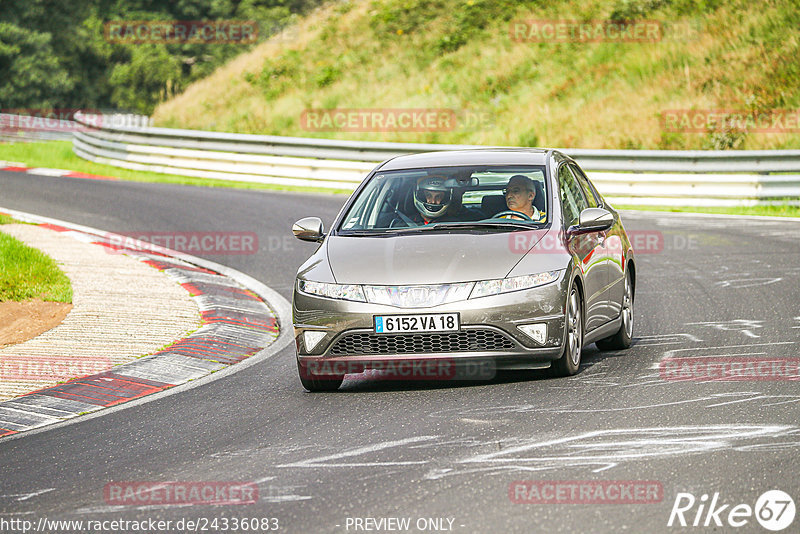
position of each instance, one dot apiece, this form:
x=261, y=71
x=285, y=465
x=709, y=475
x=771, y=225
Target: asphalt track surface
x=378, y=449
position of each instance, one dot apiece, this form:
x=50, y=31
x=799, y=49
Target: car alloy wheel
x=570, y=359
x=575, y=328
x=627, y=307
x=622, y=339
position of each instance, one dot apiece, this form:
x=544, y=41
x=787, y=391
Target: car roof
x=478, y=156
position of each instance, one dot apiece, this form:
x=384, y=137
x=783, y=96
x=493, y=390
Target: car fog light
x=537, y=332
x=311, y=338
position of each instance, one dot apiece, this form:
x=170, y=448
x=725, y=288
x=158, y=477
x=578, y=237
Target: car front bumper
x=489, y=332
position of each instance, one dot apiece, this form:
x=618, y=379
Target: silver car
x=446, y=262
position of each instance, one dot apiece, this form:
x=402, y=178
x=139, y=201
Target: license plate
x=429, y=322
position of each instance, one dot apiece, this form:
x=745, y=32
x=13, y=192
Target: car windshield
x=492, y=197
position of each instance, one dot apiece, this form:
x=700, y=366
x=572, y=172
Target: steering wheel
x=403, y=218
x=512, y=212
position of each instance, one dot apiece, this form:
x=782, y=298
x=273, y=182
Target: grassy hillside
x=459, y=54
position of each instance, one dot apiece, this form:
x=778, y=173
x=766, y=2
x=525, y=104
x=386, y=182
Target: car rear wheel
x=622, y=339
x=570, y=359
x=312, y=383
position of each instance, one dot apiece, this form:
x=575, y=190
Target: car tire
x=622, y=339
x=570, y=360
x=318, y=384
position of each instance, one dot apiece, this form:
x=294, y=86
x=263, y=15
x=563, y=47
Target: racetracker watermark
x=213, y=243
x=212, y=523
x=179, y=493
x=48, y=368
x=725, y=120
x=181, y=31
x=392, y=120
x=585, y=492
x=410, y=369
x=642, y=242
x=730, y=369
x=48, y=120
x=585, y=31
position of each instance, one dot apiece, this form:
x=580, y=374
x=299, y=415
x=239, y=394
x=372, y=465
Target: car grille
x=463, y=341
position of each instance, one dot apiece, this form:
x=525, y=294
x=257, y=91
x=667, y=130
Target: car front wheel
x=570, y=359
x=622, y=339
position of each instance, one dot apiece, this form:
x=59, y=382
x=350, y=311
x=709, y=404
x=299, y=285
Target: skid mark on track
x=664, y=339
x=605, y=449
x=596, y=451
x=25, y=496
x=745, y=326
x=705, y=401
x=329, y=460
x=741, y=283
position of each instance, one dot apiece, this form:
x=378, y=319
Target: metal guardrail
x=21, y=128
x=666, y=177
x=50, y=126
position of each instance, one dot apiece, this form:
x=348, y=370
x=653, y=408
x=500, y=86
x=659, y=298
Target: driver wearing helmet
x=432, y=198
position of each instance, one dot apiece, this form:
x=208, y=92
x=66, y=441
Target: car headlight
x=515, y=283
x=333, y=291
x=424, y=296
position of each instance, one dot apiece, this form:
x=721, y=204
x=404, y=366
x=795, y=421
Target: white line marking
x=44, y=171
x=741, y=283
x=690, y=337
x=632, y=443
x=317, y=462
x=26, y=496
x=605, y=449
x=607, y=466
x=737, y=325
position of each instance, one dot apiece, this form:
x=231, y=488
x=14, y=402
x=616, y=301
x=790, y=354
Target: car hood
x=427, y=258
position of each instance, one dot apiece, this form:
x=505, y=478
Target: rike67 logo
x=774, y=510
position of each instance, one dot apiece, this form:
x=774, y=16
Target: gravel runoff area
x=122, y=309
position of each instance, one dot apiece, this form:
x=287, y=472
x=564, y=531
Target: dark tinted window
x=591, y=194
x=572, y=199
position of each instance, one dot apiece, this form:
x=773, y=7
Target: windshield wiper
x=480, y=225
x=364, y=233
x=471, y=225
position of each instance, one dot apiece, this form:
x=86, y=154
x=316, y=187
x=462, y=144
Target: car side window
x=572, y=200
x=591, y=195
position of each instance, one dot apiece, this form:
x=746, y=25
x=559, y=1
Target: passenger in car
x=520, y=195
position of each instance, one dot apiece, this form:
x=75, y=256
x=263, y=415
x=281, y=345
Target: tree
x=33, y=76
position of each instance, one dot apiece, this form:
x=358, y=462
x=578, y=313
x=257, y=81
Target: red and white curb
x=238, y=324
x=11, y=166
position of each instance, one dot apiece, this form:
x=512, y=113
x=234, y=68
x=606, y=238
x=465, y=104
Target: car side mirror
x=309, y=229
x=593, y=220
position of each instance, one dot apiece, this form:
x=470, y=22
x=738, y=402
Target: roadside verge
x=241, y=323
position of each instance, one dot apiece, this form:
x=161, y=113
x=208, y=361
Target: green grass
x=59, y=155
x=6, y=219
x=27, y=273
x=461, y=55
x=782, y=210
